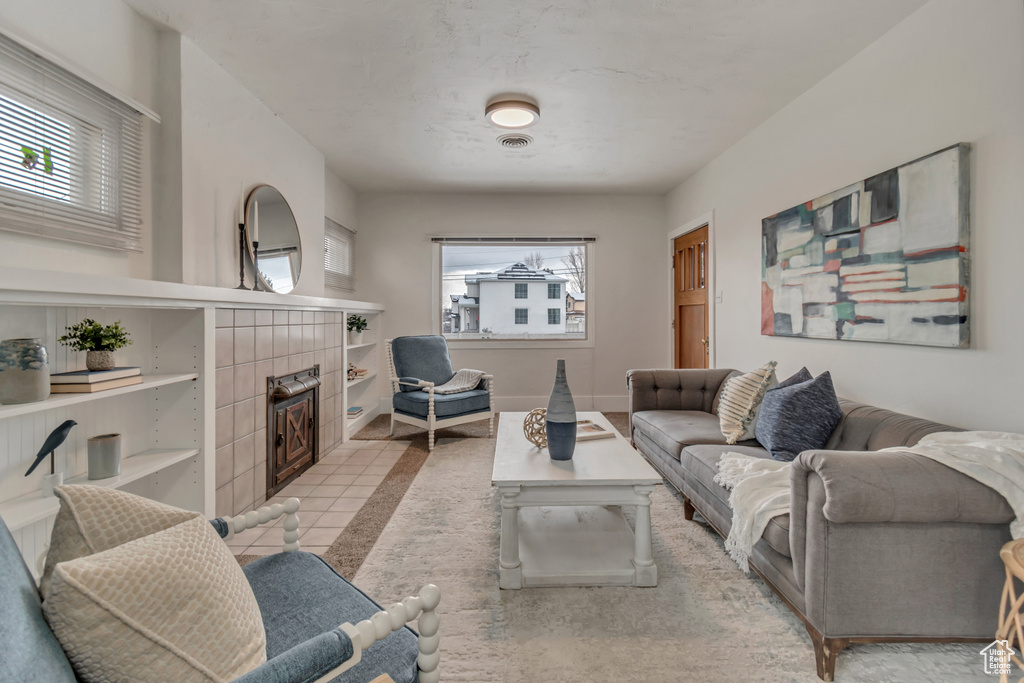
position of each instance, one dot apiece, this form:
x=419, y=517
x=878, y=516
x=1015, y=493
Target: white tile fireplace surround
x=250, y=347
x=194, y=432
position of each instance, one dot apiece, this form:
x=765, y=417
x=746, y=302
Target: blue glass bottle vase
x=560, y=421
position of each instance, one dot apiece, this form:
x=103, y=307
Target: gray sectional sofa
x=877, y=547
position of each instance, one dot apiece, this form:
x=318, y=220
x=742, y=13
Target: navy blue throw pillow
x=798, y=416
x=802, y=375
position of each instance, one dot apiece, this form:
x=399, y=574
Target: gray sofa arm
x=896, y=486
x=894, y=544
x=673, y=389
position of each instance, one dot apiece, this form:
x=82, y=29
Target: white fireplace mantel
x=24, y=286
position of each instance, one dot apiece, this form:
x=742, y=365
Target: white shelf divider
x=62, y=400
x=352, y=347
x=31, y=508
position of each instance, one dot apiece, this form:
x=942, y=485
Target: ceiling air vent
x=515, y=140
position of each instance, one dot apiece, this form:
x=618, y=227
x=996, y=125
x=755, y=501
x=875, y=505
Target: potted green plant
x=356, y=324
x=100, y=342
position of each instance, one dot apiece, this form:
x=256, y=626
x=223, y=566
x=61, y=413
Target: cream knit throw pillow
x=92, y=519
x=171, y=606
x=741, y=401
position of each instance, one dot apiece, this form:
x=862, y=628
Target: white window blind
x=70, y=155
x=339, y=256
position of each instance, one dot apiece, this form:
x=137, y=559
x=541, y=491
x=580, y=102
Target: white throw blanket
x=996, y=459
x=464, y=380
x=760, y=491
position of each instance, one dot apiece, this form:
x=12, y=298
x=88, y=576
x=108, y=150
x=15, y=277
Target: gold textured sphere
x=535, y=428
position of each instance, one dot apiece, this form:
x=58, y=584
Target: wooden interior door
x=690, y=299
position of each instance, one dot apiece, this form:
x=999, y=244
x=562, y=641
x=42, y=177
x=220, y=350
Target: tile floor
x=331, y=491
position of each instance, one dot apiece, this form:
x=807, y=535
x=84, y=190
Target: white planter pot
x=354, y=338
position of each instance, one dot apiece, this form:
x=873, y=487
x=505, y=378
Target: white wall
x=340, y=206
x=631, y=313
x=113, y=43
x=230, y=143
x=951, y=72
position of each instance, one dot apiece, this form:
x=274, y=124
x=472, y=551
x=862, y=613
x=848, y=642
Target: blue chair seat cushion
x=301, y=596
x=415, y=403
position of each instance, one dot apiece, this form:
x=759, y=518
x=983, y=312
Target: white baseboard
x=605, y=404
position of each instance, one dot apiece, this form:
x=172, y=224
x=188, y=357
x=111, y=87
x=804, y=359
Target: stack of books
x=354, y=412
x=357, y=373
x=89, y=381
x=587, y=430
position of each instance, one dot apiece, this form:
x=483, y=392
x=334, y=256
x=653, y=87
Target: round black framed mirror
x=272, y=236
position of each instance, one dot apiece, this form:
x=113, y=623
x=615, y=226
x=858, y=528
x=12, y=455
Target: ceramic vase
x=560, y=420
x=24, y=371
x=99, y=360
x=355, y=337
x=104, y=456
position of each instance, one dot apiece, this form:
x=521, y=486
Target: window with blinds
x=70, y=155
x=339, y=256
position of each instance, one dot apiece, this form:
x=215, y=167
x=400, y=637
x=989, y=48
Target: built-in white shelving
x=353, y=347
x=20, y=512
x=357, y=423
x=365, y=378
x=65, y=400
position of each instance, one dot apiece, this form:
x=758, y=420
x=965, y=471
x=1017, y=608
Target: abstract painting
x=883, y=260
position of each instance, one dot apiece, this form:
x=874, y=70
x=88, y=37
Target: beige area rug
x=705, y=621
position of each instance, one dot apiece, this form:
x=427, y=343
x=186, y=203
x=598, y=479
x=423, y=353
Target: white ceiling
x=634, y=96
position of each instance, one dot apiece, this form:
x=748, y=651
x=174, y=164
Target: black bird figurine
x=55, y=439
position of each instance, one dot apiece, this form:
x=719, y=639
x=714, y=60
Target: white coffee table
x=556, y=526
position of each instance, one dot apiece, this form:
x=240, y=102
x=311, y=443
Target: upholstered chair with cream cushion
x=162, y=598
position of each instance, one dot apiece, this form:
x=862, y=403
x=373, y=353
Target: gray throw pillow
x=798, y=416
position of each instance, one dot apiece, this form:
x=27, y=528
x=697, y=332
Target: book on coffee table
x=92, y=377
x=587, y=431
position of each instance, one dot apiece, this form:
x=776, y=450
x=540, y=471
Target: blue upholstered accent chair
x=417, y=365
x=302, y=600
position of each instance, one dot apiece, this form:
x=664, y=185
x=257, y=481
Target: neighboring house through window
x=494, y=288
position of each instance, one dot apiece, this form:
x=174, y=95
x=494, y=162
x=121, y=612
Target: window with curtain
x=339, y=256
x=70, y=155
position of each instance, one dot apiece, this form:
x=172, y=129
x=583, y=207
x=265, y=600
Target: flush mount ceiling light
x=512, y=113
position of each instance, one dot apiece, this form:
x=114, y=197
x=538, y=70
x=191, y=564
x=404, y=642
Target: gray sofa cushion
x=301, y=597
x=796, y=417
x=673, y=430
x=30, y=650
x=415, y=403
x=701, y=464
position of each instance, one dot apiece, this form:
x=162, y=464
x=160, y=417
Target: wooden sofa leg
x=688, y=509
x=825, y=651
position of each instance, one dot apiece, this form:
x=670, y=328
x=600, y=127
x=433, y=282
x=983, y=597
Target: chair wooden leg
x=825, y=651
x=688, y=509
x=490, y=427
x=392, y=423
x=430, y=440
